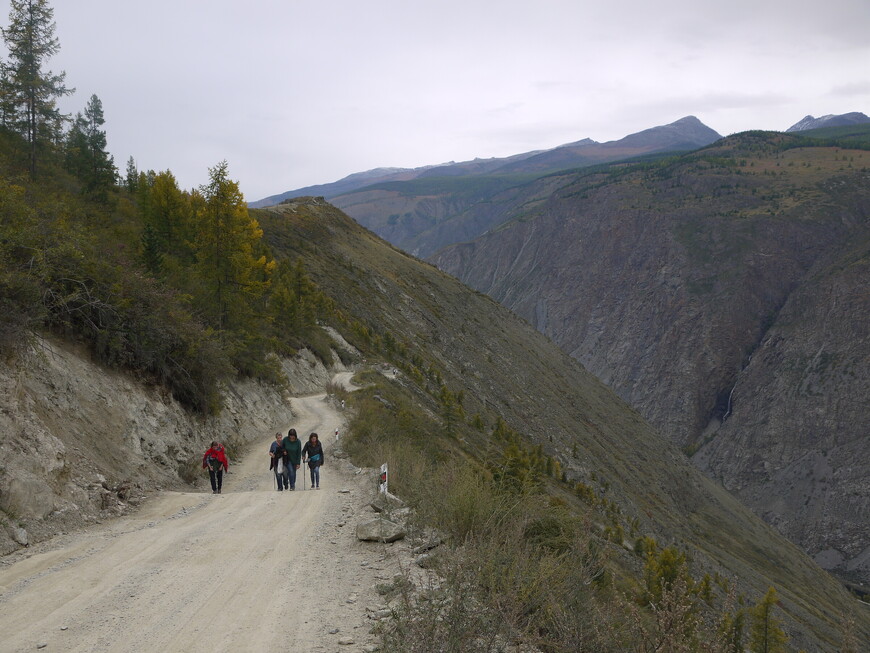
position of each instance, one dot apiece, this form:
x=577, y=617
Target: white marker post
x=382, y=480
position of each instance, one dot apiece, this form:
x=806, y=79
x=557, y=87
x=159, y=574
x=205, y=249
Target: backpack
x=214, y=463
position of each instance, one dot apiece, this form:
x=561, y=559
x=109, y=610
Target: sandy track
x=251, y=569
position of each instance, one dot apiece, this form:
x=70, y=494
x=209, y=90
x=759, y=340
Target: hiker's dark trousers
x=216, y=478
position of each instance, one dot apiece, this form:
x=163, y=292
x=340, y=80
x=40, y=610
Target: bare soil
x=250, y=569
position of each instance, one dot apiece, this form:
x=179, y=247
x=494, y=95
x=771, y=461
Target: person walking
x=277, y=455
x=313, y=452
x=293, y=451
x=215, y=461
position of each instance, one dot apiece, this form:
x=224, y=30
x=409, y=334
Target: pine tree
x=101, y=173
x=131, y=180
x=33, y=91
x=8, y=107
x=765, y=632
x=86, y=155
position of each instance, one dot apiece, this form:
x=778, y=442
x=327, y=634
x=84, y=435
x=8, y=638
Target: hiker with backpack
x=277, y=462
x=215, y=461
x=293, y=451
x=313, y=451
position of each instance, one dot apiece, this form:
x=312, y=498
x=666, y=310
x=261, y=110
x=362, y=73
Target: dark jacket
x=292, y=452
x=278, y=452
x=313, y=451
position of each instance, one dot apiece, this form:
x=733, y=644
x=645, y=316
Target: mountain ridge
x=808, y=122
x=569, y=154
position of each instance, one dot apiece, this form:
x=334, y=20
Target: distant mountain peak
x=584, y=141
x=829, y=120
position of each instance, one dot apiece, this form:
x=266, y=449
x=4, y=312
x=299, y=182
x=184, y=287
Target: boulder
x=20, y=536
x=379, y=530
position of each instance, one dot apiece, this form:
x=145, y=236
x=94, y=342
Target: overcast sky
x=300, y=92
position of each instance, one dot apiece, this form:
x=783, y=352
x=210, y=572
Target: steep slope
x=506, y=369
x=664, y=280
x=795, y=446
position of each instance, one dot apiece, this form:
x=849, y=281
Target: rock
x=20, y=536
x=383, y=613
x=401, y=515
x=346, y=641
x=379, y=530
x=384, y=502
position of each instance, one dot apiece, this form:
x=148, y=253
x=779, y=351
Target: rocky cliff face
x=79, y=443
x=696, y=289
x=795, y=446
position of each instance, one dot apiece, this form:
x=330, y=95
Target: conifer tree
x=765, y=632
x=225, y=248
x=7, y=99
x=86, y=155
x=32, y=90
x=131, y=180
x=101, y=164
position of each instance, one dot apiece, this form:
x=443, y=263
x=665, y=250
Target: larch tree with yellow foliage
x=765, y=631
x=234, y=278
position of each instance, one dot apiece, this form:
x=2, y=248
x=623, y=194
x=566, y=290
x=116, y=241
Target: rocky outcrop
x=81, y=442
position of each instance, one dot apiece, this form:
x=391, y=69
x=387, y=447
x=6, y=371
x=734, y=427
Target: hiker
x=314, y=453
x=277, y=455
x=215, y=461
x=293, y=456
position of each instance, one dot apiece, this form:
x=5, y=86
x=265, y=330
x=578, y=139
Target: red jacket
x=215, y=452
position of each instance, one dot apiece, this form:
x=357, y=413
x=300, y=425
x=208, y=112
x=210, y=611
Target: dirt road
x=251, y=569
